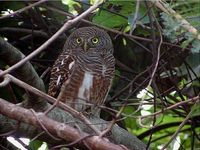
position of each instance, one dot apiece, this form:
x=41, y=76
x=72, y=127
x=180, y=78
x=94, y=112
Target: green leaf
x=129, y=121
x=195, y=110
x=194, y=63
x=111, y=20
x=142, y=17
x=71, y=6
x=36, y=144
x=188, y=10
x=116, y=78
x=172, y=27
x=195, y=46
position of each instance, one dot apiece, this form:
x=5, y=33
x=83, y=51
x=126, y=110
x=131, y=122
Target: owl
x=82, y=74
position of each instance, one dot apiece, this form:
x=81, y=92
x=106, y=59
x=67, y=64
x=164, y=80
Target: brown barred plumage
x=83, y=72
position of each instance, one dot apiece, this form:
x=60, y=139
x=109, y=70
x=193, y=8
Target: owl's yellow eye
x=78, y=40
x=95, y=40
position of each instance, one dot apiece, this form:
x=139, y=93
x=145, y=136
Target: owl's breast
x=89, y=83
x=97, y=65
x=92, y=90
x=86, y=86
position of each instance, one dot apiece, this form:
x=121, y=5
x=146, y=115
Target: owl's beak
x=85, y=46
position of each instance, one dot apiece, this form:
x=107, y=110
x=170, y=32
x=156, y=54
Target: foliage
x=36, y=144
x=173, y=28
x=175, y=81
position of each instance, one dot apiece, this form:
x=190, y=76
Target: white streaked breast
x=86, y=85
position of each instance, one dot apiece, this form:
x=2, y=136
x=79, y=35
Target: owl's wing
x=60, y=72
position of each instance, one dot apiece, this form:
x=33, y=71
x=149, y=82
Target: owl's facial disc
x=90, y=43
x=87, y=42
x=83, y=43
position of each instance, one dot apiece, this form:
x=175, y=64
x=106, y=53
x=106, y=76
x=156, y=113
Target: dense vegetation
x=155, y=92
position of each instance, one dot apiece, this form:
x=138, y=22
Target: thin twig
x=49, y=41
x=157, y=59
x=177, y=131
x=72, y=143
x=156, y=63
x=112, y=123
x=42, y=125
x=127, y=86
x=102, y=8
x=3, y=148
x=45, y=72
x=152, y=79
x=134, y=21
x=5, y=82
x=23, y=9
x=131, y=37
x=12, y=131
x=38, y=135
x=194, y=99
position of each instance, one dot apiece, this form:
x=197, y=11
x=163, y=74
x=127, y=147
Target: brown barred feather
x=85, y=84
x=59, y=69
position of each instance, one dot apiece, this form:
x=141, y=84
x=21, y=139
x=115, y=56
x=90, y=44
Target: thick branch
x=61, y=130
x=26, y=72
x=50, y=99
x=118, y=135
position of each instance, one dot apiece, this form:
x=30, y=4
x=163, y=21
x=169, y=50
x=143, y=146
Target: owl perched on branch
x=82, y=74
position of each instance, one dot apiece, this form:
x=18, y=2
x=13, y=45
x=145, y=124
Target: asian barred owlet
x=81, y=76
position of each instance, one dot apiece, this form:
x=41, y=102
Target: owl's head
x=89, y=39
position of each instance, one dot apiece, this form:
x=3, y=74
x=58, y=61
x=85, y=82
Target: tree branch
x=26, y=73
x=63, y=131
x=49, y=41
x=185, y=24
x=23, y=9
x=60, y=130
x=182, y=103
x=50, y=99
x=131, y=37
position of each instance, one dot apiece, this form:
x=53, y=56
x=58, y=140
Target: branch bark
x=65, y=132
x=26, y=72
